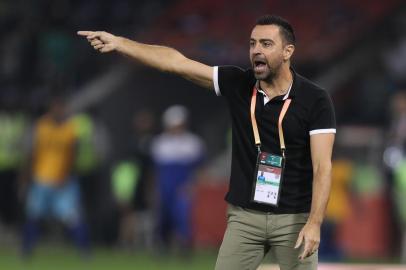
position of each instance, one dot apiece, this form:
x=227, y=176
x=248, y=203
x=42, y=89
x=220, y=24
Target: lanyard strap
x=281, y=116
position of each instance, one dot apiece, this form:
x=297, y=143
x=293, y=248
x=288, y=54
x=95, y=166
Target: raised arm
x=159, y=57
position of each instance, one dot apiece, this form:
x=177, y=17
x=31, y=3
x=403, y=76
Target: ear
x=288, y=51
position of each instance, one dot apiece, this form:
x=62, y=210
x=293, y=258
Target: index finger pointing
x=86, y=33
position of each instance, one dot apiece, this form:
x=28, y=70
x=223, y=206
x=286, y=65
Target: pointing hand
x=102, y=41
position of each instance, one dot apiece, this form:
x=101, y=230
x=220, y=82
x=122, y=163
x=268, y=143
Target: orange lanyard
x=255, y=126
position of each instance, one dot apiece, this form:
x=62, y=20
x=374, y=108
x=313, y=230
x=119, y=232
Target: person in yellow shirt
x=54, y=190
x=337, y=210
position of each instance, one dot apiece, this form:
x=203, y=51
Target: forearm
x=321, y=194
x=159, y=57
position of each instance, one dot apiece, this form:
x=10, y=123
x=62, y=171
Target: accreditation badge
x=268, y=178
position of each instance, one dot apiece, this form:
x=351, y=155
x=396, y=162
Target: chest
x=51, y=136
x=295, y=124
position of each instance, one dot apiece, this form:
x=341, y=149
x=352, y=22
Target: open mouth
x=259, y=65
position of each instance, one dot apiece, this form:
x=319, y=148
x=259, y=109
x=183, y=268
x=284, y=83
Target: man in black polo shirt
x=283, y=132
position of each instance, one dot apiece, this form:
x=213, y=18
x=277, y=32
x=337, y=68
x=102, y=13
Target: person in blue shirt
x=176, y=153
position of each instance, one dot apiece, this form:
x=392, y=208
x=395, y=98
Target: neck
x=279, y=84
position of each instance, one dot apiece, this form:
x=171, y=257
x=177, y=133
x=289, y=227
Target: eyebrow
x=263, y=40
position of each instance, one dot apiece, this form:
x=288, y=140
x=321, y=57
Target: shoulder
x=234, y=72
x=317, y=101
x=309, y=91
x=71, y=126
x=308, y=85
x=43, y=121
x=193, y=139
x=232, y=69
x=158, y=140
x=227, y=79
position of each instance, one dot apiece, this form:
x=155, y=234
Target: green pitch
x=64, y=258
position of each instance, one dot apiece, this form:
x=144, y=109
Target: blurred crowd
x=51, y=175
x=96, y=147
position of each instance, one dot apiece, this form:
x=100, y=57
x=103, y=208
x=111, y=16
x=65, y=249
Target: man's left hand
x=310, y=234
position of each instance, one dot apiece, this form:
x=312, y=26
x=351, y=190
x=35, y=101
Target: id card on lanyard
x=269, y=167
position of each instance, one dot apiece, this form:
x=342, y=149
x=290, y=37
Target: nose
x=256, y=49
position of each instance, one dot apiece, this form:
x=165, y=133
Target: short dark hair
x=285, y=27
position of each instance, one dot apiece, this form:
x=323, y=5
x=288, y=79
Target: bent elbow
x=323, y=168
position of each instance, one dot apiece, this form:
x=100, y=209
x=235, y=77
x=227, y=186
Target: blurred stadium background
x=354, y=49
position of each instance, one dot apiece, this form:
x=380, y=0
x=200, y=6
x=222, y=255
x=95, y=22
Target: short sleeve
x=227, y=79
x=322, y=115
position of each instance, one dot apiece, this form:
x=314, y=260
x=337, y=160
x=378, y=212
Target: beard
x=266, y=75
x=265, y=71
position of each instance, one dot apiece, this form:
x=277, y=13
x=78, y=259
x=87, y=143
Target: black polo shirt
x=311, y=112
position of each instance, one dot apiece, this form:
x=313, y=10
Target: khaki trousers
x=250, y=235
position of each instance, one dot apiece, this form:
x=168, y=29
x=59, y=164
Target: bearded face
x=266, y=51
x=265, y=68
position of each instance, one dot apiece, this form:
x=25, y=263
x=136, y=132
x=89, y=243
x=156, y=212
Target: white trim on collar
x=287, y=94
x=266, y=98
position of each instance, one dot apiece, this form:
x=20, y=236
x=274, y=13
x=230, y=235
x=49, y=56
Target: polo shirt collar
x=289, y=94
